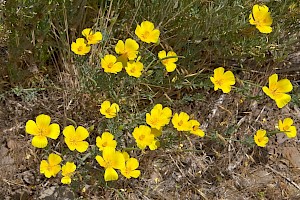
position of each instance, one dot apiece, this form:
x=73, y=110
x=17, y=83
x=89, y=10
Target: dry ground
x=191, y=168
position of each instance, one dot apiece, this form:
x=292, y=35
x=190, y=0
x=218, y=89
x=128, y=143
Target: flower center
x=80, y=48
x=110, y=65
x=104, y=144
x=145, y=35
x=180, y=123
x=142, y=137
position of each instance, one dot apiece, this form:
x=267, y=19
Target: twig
x=286, y=178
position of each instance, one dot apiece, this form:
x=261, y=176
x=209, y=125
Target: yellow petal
x=292, y=132
x=31, y=128
x=81, y=133
x=154, y=36
x=101, y=161
x=162, y=54
x=69, y=142
x=120, y=47
x=82, y=146
x=43, y=166
x=264, y=29
x=226, y=88
x=110, y=174
x=131, y=45
x=146, y=25
x=132, y=163
x=135, y=173
x=43, y=120
x=54, y=159
x=119, y=161
x=86, y=32
x=170, y=67
x=69, y=131
x=229, y=78
x=284, y=86
x=55, y=170
x=54, y=131
x=281, y=102
x=251, y=20
x=66, y=180
x=39, y=141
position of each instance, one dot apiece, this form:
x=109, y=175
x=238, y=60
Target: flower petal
x=31, y=128
x=264, y=29
x=54, y=159
x=81, y=133
x=110, y=174
x=82, y=146
x=39, y=141
x=69, y=131
x=43, y=120
x=283, y=100
x=284, y=85
x=66, y=180
x=132, y=163
x=54, y=131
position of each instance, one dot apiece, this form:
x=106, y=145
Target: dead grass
x=191, y=168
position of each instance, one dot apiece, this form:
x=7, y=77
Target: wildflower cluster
x=285, y=126
x=147, y=135
x=83, y=46
x=158, y=118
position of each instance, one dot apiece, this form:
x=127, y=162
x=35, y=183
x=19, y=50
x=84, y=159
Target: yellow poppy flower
x=91, y=37
x=286, y=127
x=169, y=63
x=195, y=128
x=51, y=166
x=75, y=138
x=261, y=138
x=143, y=136
x=67, y=171
x=80, y=47
x=110, y=65
x=147, y=33
x=261, y=18
x=106, y=140
x=222, y=80
x=41, y=129
x=277, y=90
x=111, y=160
x=158, y=116
x=127, y=50
x=130, y=169
x=109, y=110
x=181, y=121
x=134, y=68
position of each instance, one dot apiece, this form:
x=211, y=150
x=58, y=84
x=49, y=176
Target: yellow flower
x=110, y=65
x=286, y=127
x=181, y=122
x=80, y=47
x=143, y=136
x=109, y=111
x=222, y=80
x=106, y=140
x=130, y=168
x=159, y=116
x=127, y=50
x=50, y=167
x=261, y=138
x=41, y=129
x=154, y=145
x=67, y=171
x=277, y=90
x=261, y=18
x=92, y=38
x=169, y=63
x=147, y=33
x=134, y=68
x=125, y=155
x=75, y=139
x=195, y=128
x=111, y=160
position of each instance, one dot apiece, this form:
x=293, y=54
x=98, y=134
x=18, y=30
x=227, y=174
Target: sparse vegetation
x=149, y=99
